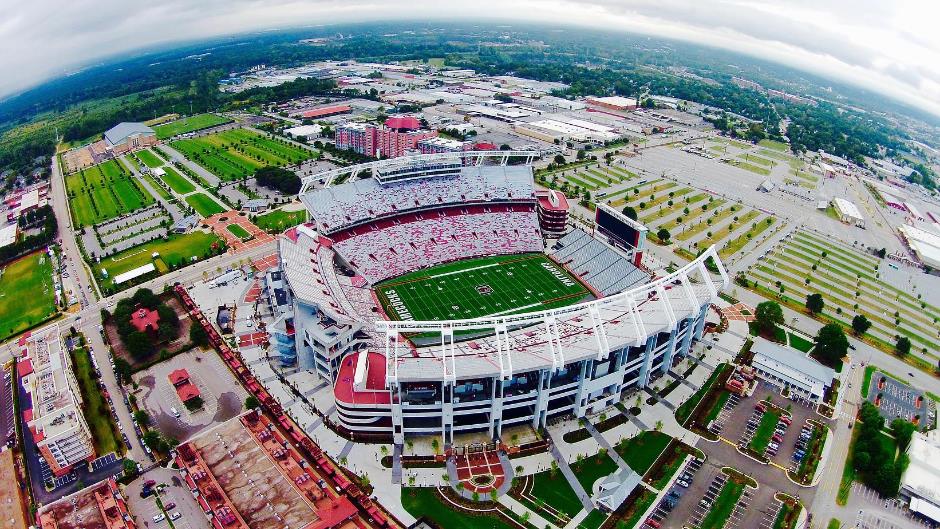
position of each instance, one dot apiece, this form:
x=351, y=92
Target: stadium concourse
x=411, y=294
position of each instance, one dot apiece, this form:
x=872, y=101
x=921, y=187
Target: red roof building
x=145, y=320
x=403, y=123
x=185, y=389
x=326, y=111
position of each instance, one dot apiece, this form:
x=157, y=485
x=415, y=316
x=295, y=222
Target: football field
x=486, y=286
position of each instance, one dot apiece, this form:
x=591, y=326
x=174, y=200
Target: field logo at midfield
x=396, y=303
x=484, y=290
x=565, y=280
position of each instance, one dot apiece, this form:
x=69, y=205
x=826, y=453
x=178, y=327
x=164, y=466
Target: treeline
x=287, y=182
x=32, y=243
x=873, y=454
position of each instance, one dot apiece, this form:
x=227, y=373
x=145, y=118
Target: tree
x=815, y=303
x=903, y=431
x=287, y=182
x=152, y=439
x=559, y=160
x=902, y=346
x=630, y=213
x=138, y=345
x=122, y=369
x=251, y=402
x=198, y=335
x=142, y=418
x=130, y=467
x=768, y=315
x=663, y=234
x=860, y=324
x=831, y=344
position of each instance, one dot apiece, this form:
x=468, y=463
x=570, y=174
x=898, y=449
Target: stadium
x=428, y=293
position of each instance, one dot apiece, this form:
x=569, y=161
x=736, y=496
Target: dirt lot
x=223, y=397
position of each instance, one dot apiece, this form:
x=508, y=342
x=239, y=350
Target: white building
x=920, y=484
x=306, y=131
x=8, y=235
x=55, y=420
x=924, y=244
x=848, y=212
x=789, y=368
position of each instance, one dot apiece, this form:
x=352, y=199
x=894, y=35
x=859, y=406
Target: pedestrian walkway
x=534, y=518
x=603, y=442
x=572, y=479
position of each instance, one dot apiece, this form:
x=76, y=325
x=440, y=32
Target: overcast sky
x=890, y=46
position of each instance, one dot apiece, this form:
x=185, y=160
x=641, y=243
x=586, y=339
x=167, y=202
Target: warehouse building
x=920, y=484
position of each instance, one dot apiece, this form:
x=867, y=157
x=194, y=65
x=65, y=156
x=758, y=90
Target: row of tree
x=879, y=462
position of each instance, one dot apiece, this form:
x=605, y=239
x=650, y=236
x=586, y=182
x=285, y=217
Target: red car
x=149, y=483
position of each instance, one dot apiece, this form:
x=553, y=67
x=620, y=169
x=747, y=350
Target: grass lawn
x=750, y=158
x=175, y=249
x=773, y=144
x=641, y=451
x=593, y=520
x=735, y=245
x=848, y=472
x=204, y=205
x=94, y=407
x=103, y=192
x=763, y=171
x=718, y=515
x=765, y=430
x=427, y=502
x=591, y=469
x=238, y=231
x=472, y=288
x=150, y=159
x=190, y=124
x=556, y=492
x=26, y=293
x=279, y=220
x=716, y=409
x=177, y=182
x=685, y=409
x=799, y=343
x=157, y=187
x=869, y=369
x=237, y=153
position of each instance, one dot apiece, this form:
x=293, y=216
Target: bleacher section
x=391, y=247
x=352, y=203
x=602, y=267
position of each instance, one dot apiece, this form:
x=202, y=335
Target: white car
x=175, y=516
x=175, y=412
x=159, y=518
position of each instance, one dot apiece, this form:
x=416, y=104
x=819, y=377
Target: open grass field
x=556, y=492
x=157, y=187
x=26, y=293
x=591, y=469
x=204, y=205
x=102, y=192
x=94, y=407
x=280, y=220
x=236, y=154
x=150, y=159
x=487, y=286
x=775, y=145
x=177, y=182
x=190, y=124
x=176, y=249
x=641, y=451
x=427, y=502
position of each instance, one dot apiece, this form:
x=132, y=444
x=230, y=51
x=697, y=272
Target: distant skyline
x=892, y=48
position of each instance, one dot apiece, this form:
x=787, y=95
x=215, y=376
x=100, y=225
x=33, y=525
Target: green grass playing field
x=26, y=293
x=237, y=153
x=103, y=192
x=190, y=124
x=150, y=159
x=487, y=286
x=204, y=206
x=175, y=250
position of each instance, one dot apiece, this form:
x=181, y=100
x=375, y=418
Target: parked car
x=159, y=518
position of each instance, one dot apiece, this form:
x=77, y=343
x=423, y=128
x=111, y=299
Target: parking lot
x=175, y=496
x=896, y=399
x=223, y=397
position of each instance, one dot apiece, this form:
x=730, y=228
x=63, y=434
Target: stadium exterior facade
x=482, y=374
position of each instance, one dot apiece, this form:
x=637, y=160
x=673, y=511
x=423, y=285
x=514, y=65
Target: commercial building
x=52, y=413
x=308, y=132
x=8, y=234
x=101, y=506
x=618, y=103
x=920, y=484
x=128, y=136
x=553, y=212
x=396, y=137
x=790, y=369
x=925, y=244
x=325, y=112
x=848, y=212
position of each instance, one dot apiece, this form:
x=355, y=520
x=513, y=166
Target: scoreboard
x=621, y=231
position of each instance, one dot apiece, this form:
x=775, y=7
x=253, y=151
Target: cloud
x=888, y=47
